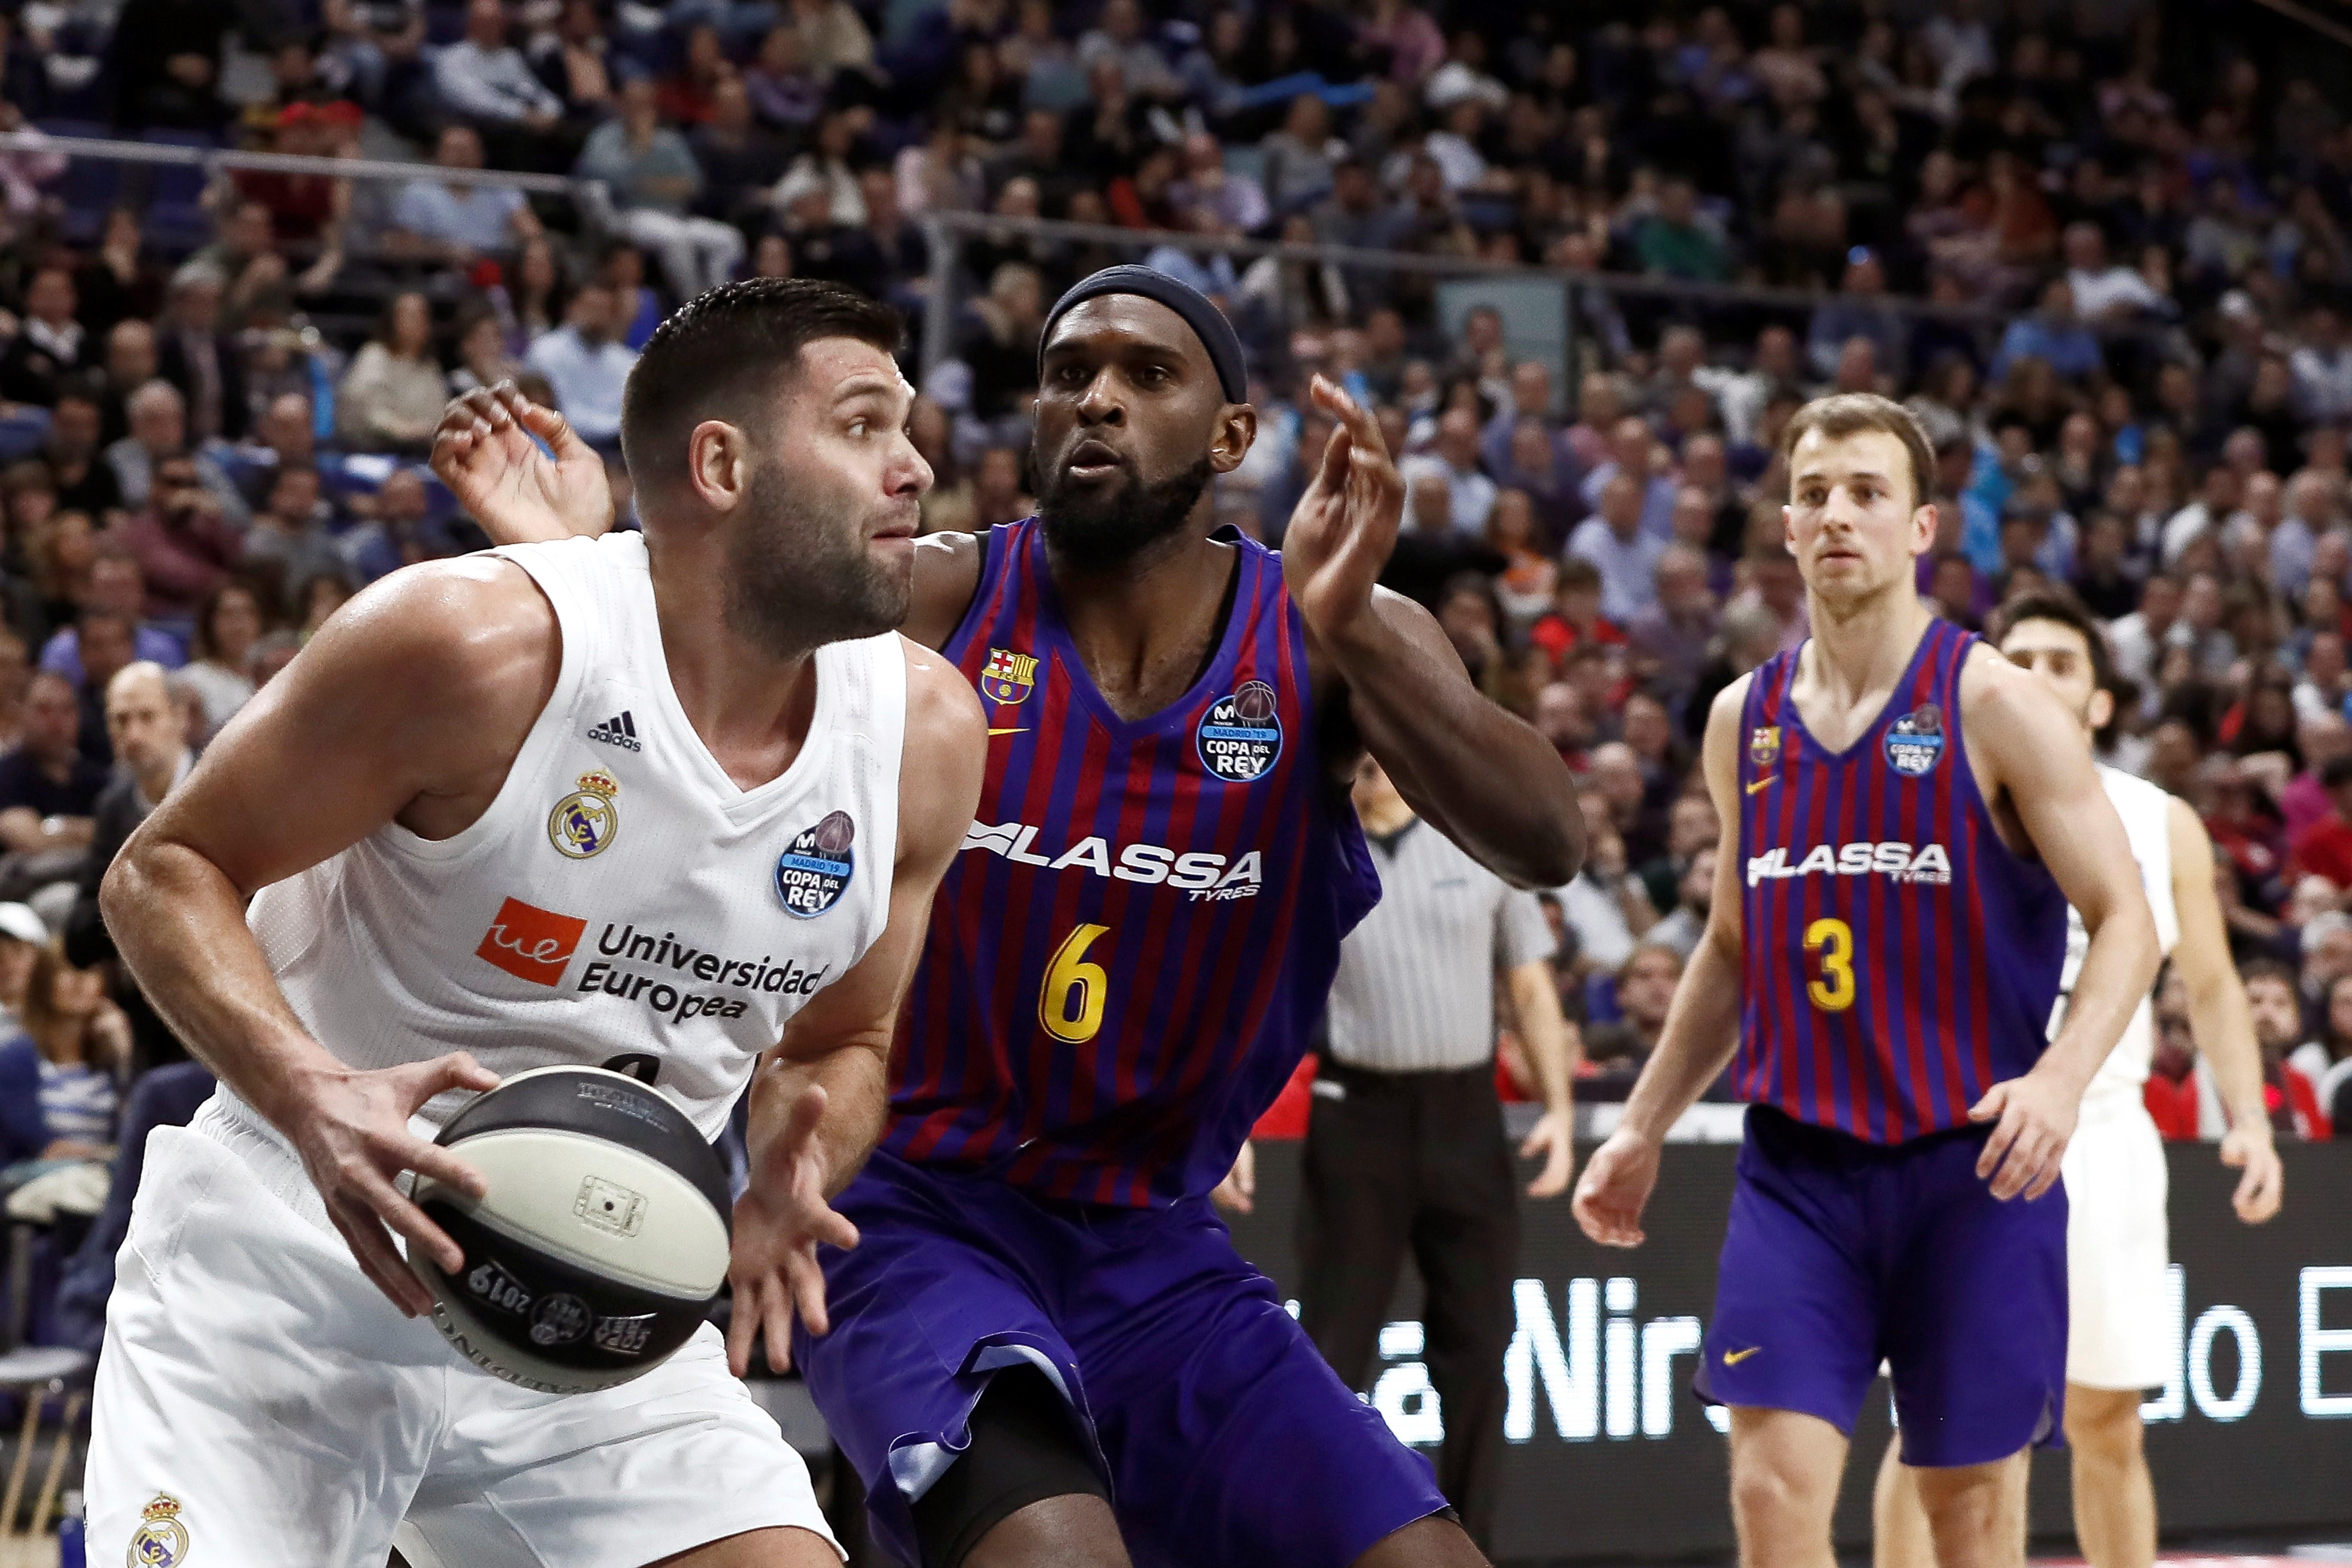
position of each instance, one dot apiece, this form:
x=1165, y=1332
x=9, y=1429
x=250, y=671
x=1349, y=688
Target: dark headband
x=1208, y=322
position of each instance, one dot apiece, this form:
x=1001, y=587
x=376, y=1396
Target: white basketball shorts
x=2121, y=1329
x=261, y=1405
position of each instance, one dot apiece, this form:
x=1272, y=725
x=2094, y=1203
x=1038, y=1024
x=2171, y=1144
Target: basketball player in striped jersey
x=1043, y=1349
x=2122, y=1334
x=446, y=849
x=1913, y=815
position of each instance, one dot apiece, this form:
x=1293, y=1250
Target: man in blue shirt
x=2054, y=334
x=585, y=368
x=456, y=222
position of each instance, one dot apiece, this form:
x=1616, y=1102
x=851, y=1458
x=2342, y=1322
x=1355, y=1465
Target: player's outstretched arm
x=1702, y=1028
x=1480, y=775
x=409, y=706
x=2035, y=758
x=483, y=452
x=2220, y=1019
x=818, y=1098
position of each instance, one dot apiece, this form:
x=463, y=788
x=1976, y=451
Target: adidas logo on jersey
x=620, y=729
x=1202, y=876
x=1930, y=864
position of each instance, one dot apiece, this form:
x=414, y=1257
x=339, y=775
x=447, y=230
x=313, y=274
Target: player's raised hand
x=2249, y=1147
x=2033, y=1119
x=483, y=452
x=1344, y=525
x=779, y=1221
x=1616, y=1188
x=351, y=1128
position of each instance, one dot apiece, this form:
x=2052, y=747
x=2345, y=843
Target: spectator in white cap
x=22, y=934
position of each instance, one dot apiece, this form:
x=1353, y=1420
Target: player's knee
x=2103, y=1422
x=1965, y=1501
x=1768, y=1494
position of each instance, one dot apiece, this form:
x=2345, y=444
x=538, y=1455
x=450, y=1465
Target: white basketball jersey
x=622, y=898
x=2146, y=811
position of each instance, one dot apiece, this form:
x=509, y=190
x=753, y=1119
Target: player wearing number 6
x=1913, y=816
x=1044, y=1349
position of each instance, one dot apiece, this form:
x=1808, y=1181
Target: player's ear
x=1923, y=528
x=717, y=464
x=2101, y=709
x=1236, y=430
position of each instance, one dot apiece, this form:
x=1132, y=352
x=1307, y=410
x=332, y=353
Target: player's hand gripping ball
x=601, y=1242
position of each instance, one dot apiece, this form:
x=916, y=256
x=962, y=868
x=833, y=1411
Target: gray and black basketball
x=603, y=1238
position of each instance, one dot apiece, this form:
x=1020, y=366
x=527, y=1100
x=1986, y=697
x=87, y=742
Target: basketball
x=1253, y=701
x=601, y=1242
x=835, y=832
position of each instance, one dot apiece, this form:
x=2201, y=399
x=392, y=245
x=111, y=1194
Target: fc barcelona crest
x=1009, y=677
x=1764, y=748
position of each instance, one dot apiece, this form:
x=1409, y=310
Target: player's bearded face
x=801, y=568
x=1104, y=524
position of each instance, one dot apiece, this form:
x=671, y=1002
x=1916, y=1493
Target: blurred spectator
x=392, y=397
x=117, y=586
x=61, y=1080
x=1858, y=310
x=1617, y=546
x=227, y=626
x=740, y=158
x=784, y=92
x=164, y=61
x=586, y=367
x=48, y=789
x=196, y=356
x=1676, y=242
x=485, y=81
x=483, y=359
x=573, y=61
x=1645, y=988
x=833, y=38
x=288, y=544
x=82, y=480
x=149, y=730
x=23, y=934
x=184, y=545
x=452, y=222
x=654, y=179
x=119, y=282
x=402, y=532
x=1453, y=461
x=48, y=343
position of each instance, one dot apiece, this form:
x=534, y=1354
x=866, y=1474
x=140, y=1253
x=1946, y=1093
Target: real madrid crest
x=1764, y=748
x=1915, y=743
x=1008, y=676
x=1240, y=736
x=584, y=821
x=815, y=869
x=160, y=1541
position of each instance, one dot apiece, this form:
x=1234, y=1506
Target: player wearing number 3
x=1913, y=816
x=1044, y=1349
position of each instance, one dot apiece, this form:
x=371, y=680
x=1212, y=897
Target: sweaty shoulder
x=945, y=753
x=1998, y=698
x=472, y=644
x=946, y=575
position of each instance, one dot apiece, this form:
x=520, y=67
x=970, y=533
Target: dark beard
x=799, y=575
x=1111, y=528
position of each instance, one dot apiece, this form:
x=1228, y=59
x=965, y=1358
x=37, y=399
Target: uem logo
x=531, y=943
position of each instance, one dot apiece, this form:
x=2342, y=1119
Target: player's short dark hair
x=1847, y=413
x=722, y=347
x=2068, y=612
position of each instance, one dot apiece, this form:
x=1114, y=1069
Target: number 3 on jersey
x=1834, y=940
x=1070, y=1004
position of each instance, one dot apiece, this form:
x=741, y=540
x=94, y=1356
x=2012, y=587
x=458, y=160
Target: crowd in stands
x=2105, y=263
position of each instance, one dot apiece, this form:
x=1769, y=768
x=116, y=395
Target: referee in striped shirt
x=1405, y=1147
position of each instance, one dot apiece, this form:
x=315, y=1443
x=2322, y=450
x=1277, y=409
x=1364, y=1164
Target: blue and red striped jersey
x=1900, y=959
x=1129, y=957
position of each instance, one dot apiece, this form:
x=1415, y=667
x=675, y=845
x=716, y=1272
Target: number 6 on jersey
x=1070, y=1004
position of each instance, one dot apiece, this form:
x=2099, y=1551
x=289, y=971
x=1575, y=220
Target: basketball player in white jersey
x=556, y=804
x=2121, y=1324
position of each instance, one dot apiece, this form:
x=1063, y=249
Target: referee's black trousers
x=1418, y=1160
